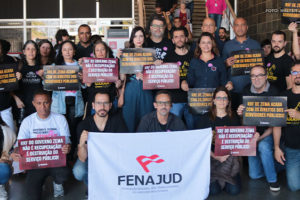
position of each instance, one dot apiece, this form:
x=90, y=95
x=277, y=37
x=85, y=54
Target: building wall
x=262, y=20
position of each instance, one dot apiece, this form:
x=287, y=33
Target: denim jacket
x=59, y=103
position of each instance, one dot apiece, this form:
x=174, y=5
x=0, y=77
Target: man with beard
x=263, y=164
x=161, y=120
x=290, y=157
x=240, y=42
x=162, y=46
x=102, y=121
x=279, y=63
x=85, y=46
x=182, y=56
x=223, y=38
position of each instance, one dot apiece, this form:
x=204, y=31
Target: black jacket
x=150, y=123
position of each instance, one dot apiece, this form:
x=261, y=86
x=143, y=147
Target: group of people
x=124, y=107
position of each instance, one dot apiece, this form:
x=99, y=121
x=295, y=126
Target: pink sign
x=42, y=153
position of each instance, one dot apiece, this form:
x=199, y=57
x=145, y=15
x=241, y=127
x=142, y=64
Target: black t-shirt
x=278, y=69
x=100, y=87
x=166, y=4
x=273, y=91
x=83, y=52
x=205, y=122
x=291, y=133
x=162, y=48
x=178, y=95
x=29, y=83
x=115, y=124
x=5, y=98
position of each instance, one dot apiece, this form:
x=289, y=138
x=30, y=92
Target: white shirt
x=35, y=127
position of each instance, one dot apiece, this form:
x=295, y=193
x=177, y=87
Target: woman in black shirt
x=31, y=81
x=224, y=169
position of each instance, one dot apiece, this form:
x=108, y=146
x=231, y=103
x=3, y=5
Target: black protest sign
x=61, y=77
x=290, y=11
x=133, y=60
x=245, y=60
x=200, y=99
x=8, y=80
x=264, y=111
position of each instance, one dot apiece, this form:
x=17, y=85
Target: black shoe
x=275, y=187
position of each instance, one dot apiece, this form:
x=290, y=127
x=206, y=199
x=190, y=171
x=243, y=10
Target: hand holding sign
x=293, y=113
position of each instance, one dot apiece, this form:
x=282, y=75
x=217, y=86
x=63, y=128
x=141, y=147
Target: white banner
x=149, y=166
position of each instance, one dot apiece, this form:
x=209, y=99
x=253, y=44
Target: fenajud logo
x=155, y=179
x=144, y=161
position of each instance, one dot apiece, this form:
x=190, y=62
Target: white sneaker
x=58, y=190
x=3, y=193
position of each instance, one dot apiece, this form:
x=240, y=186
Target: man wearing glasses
x=161, y=120
x=157, y=41
x=290, y=157
x=263, y=164
x=102, y=121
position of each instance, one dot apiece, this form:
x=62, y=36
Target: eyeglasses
x=157, y=26
x=295, y=73
x=165, y=103
x=102, y=103
x=221, y=98
x=252, y=76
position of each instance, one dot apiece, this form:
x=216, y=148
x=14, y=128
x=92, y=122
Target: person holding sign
x=207, y=70
x=290, y=155
x=263, y=163
x=69, y=102
x=224, y=169
x=240, y=42
x=101, y=50
x=5, y=96
x=161, y=120
x=41, y=124
x=7, y=140
x=279, y=63
x=102, y=121
x=181, y=55
x=137, y=102
x=31, y=81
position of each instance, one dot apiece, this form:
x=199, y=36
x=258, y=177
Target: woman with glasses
x=224, y=169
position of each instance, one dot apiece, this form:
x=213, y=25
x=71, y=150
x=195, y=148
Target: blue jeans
x=80, y=171
x=292, y=163
x=215, y=188
x=180, y=110
x=5, y=173
x=218, y=20
x=263, y=164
